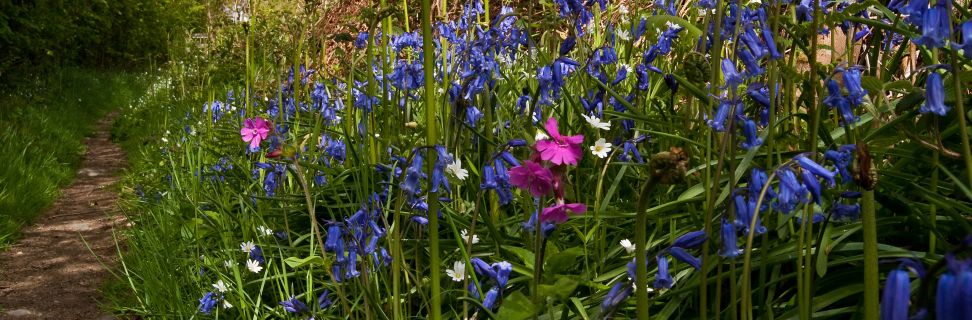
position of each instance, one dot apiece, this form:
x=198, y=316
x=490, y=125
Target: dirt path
x=50, y=273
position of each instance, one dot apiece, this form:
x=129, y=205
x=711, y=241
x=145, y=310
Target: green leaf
x=516, y=307
x=525, y=255
x=561, y=289
x=295, y=262
x=562, y=261
x=822, y=255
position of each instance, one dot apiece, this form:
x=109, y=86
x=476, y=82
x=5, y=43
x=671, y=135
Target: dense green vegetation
x=44, y=121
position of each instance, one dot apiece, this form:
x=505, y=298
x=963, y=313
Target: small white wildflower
x=220, y=286
x=456, y=169
x=601, y=148
x=627, y=68
x=672, y=25
x=226, y=304
x=623, y=34
x=254, y=266
x=623, y=9
x=265, y=231
x=440, y=90
x=247, y=246
x=458, y=271
x=596, y=122
x=541, y=136
x=628, y=246
x=465, y=236
x=229, y=264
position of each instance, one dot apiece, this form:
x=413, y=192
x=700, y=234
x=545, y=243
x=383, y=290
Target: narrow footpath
x=57, y=267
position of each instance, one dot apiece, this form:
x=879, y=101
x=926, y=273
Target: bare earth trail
x=50, y=273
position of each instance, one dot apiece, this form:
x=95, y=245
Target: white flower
x=247, y=246
x=456, y=169
x=465, y=236
x=601, y=148
x=226, y=304
x=458, y=271
x=265, y=231
x=220, y=286
x=627, y=245
x=623, y=9
x=596, y=122
x=229, y=263
x=253, y=265
x=541, y=136
x=623, y=34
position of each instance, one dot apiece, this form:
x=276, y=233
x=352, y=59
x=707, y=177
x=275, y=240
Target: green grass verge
x=42, y=129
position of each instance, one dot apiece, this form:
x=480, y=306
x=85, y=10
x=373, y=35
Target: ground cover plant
x=801, y=159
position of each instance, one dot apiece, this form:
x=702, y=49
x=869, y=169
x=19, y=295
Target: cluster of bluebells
x=855, y=94
x=216, y=172
x=357, y=237
x=493, y=276
x=663, y=278
x=953, y=291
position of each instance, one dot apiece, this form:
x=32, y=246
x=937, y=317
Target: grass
x=42, y=130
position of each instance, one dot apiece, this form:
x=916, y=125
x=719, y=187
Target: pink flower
x=255, y=130
x=560, y=149
x=532, y=176
x=559, y=213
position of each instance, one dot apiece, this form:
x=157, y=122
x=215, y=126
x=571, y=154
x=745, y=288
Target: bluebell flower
x=934, y=95
x=508, y=158
x=407, y=75
x=641, y=73
x=513, y=143
x=546, y=227
x=752, y=138
x=502, y=270
x=744, y=215
x=728, y=236
x=420, y=219
x=618, y=293
x=791, y=192
x=663, y=280
x=842, y=159
x=361, y=40
x=845, y=212
x=750, y=61
x=257, y=254
x=411, y=185
x=690, y=240
x=473, y=115
x=852, y=81
x=638, y=30
x=935, y=24
x=731, y=77
x=482, y=268
x=207, y=303
x=491, y=296
x=810, y=181
x=816, y=169
x=664, y=44
x=896, y=297
x=323, y=300
x=682, y=255
x=293, y=305
x=648, y=59
x=335, y=241
x=717, y=123
x=630, y=152
x=954, y=294
x=966, y=45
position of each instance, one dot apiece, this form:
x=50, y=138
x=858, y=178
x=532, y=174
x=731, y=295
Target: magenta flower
x=560, y=149
x=255, y=130
x=559, y=213
x=532, y=176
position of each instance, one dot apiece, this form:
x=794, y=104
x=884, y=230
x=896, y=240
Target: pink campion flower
x=254, y=131
x=558, y=213
x=532, y=176
x=560, y=149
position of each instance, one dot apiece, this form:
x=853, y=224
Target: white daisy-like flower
x=627, y=68
x=672, y=25
x=220, y=286
x=458, y=271
x=465, y=236
x=627, y=245
x=265, y=231
x=456, y=169
x=247, y=246
x=254, y=266
x=229, y=263
x=596, y=122
x=226, y=304
x=541, y=136
x=601, y=148
x=623, y=9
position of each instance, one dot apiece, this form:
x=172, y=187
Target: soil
x=56, y=269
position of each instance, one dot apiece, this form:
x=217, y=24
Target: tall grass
x=42, y=126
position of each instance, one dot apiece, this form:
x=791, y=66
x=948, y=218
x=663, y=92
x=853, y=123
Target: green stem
x=432, y=139
x=715, y=61
x=871, y=284
x=641, y=271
